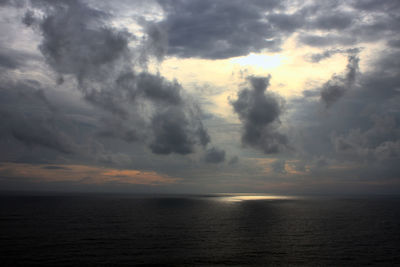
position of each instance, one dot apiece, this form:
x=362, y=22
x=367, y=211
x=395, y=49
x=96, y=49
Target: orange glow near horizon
x=82, y=174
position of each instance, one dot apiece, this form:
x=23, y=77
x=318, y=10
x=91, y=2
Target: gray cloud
x=223, y=29
x=43, y=133
x=379, y=142
x=317, y=57
x=36, y=128
x=77, y=41
x=158, y=89
x=287, y=22
x=395, y=43
x=8, y=62
x=371, y=5
x=360, y=132
x=339, y=85
x=31, y=119
x=130, y=114
x=29, y=18
x=233, y=160
x=156, y=42
x=16, y=3
x=11, y=59
x=220, y=29
x=363, y=21
x=116, y=128
x=336, y=21
x=173, y=133
x=214, y=155
x=259, y=112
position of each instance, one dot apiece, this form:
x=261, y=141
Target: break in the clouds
x=111, y=89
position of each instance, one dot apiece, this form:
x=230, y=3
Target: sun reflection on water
x=246, y=197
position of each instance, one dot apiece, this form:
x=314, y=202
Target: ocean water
x=212, y=230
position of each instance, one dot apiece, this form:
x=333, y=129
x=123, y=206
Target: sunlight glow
x=83, y=174
x=260, y=60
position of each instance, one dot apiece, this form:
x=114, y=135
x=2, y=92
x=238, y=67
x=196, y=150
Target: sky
x=200, y=96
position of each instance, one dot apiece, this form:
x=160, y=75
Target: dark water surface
x=198, y=230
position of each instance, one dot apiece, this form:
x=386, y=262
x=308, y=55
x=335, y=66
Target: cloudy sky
x=198, y=96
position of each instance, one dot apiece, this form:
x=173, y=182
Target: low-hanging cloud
x=259, y=113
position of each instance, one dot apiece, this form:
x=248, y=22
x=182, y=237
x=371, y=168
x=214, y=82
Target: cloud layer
x=113, y=89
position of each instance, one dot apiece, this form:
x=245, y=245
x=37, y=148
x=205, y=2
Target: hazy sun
x=259, y=60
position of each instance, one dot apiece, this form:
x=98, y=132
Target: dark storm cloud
x=175, y=125
x=335, y=88
x=221, y=29
x=173, y=133
x=158, y=89
x=170, y=133
x=214, y=155
x=78, y=42
x=259, y=113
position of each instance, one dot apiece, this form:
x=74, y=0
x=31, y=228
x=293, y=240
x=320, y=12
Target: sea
x=198, y=230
